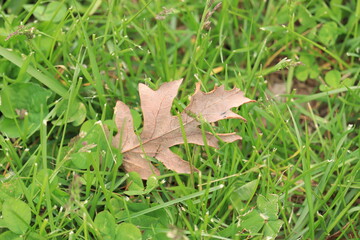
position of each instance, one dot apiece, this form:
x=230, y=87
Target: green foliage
x=263, y=218
x=54, y=11
x=333, y=80
x=136, y=186
x=243, y=194
x=8, y=235
x=10, y=188
x=22, y=110
x=295, y=175
x=105, y=223
x=16, y=215
x=92, y=143
x=127, y=231
x=329, y=33
x=308, y=69
x=75, y=110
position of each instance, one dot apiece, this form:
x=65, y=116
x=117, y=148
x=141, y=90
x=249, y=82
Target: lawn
x=65, y=64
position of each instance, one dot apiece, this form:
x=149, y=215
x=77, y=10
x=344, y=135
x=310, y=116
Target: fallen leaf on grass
x=161, y=130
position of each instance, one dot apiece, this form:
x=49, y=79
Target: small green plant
x=263, y=220
x=334, y=80
x=106, y=225
x=308, y=68
x=16, y=215
x=54, y=11
x=22, y=110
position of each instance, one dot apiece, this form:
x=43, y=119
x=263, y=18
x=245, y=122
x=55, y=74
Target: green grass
x=298, y=162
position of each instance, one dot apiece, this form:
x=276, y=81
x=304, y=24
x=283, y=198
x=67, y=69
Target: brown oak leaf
x=161, y=130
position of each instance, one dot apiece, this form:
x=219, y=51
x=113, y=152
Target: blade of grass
x=51, y=83
x=172, y=202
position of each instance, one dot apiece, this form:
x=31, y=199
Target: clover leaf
x=24, y=106
x=264, y=217
x=309, y=69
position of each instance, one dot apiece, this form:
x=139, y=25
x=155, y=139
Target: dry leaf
x=161, y=130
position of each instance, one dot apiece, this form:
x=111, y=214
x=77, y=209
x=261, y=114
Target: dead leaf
x=161, y=130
